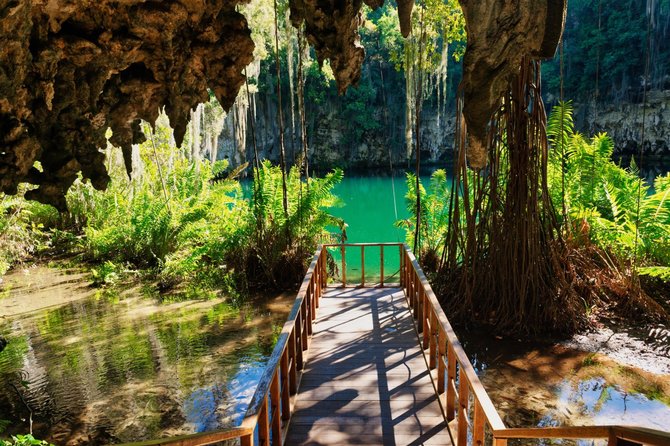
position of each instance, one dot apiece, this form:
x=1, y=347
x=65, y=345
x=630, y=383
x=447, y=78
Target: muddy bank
x=31, y=288
x=646, y=348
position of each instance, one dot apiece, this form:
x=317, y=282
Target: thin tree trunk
x=280, y=118
x=196, y=121
x=289, y=66
x=408, y=103
x=303, y=54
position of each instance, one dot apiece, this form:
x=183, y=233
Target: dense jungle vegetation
x=186, y=218
x=189, y=223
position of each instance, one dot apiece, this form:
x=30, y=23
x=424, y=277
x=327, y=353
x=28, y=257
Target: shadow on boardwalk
x=366, y=381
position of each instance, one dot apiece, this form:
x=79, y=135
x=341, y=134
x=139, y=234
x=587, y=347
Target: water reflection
x=548, y=385
x=605, y=404
x=98, y=371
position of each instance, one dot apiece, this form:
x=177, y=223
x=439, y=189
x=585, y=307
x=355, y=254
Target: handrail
x=445, y=352
x=270, y=410
x=286, y=360
x=629, y=433
x=273, y=401
x=202, y=438
x=381, y=247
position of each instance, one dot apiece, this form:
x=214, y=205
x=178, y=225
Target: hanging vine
x=504, y=251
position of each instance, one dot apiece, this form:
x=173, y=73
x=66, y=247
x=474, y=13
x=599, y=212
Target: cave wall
x=71, y=69
x=623, y=122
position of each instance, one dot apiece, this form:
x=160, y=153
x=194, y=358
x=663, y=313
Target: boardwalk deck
x=366, y=380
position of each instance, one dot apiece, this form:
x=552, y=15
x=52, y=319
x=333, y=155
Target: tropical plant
x=279, y=245
x=24, y=440
x=20, y=236
x=434, y=217
x=603, y=202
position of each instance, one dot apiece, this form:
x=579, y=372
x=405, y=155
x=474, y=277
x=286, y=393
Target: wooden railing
x=271, y=406
x=467, y=407
x=341, y=248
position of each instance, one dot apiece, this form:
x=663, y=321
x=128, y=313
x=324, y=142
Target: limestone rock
x=500, y=34
x=71, y=69
x=331, y=27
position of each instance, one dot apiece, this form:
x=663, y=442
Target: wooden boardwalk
x=349, y=368
x=366, y=380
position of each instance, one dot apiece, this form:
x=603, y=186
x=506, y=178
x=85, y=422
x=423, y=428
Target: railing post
x=499, y=441
x=478, y=423
x=304, y=321
x=433, y=333
x=417, y=299
x=292, y=370
x=401, y=256
x=462, y=409
x=264, y=424
x=247, y=440
x=308, y=309
x=324, y=268
x=300, y=363
x=344, y=267
x=362, y=265
x=381, y=265
x=285, y=387
x=425, y=322
x=274, y=410
x=442, y=353
x=451, y=382
x=317, y=286
x=312, y=288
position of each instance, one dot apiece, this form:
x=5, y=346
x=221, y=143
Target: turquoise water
x=371, y=206
x=368, y=208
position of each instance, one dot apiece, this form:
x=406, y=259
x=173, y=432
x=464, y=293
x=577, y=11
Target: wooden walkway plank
x=366, y=380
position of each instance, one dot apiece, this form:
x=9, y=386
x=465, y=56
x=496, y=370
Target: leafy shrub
x=19, y=235
x=434, y=217
x=273, y=248
x=605, y=203
x=24, y=440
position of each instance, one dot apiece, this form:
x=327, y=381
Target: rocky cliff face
x=623, y=122
x=334, y=142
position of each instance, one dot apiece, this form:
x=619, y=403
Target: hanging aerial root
x=505, y=263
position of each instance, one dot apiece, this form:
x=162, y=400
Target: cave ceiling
x=71, y=69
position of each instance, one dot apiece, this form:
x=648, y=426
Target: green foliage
x=606, y=41
x=106, y=274
x=24, y=440
x=184, y=221
x=359, y=106
x=20, y=235
x=434, y=215
x=278, y=246
x=604, y=202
